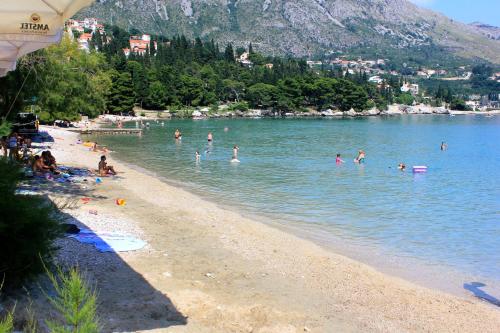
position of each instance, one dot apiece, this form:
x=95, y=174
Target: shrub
x=75, y=301
x=27, y=229
x=5, y=128
x=7, y=324
x=239, y=106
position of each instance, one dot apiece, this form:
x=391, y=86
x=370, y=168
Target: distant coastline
x=393, y=110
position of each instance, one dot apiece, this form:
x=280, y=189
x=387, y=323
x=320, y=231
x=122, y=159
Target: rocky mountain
x=487, y=30
x=305, y=27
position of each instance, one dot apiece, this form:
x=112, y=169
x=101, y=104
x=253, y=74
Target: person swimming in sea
x=234, y=159
x=210, y=137
x=339, y=160
x=444, y=146
x=402, y=167
x=177, y=134
x=361, y=157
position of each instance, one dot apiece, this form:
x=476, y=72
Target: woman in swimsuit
x=361, y=157
x=177, y=134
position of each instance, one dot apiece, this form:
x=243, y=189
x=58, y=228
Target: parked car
x=26, y=124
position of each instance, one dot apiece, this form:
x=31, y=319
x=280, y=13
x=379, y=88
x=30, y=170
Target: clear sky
x=467, y=11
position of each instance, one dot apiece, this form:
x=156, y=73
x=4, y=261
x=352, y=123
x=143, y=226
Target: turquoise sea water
x=449, y=217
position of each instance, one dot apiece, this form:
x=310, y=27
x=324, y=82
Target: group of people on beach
x=44, y=163
x=18, y=149
x=15, y=146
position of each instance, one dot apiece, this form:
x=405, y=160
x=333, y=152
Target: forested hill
x=63, y=82
x=395, y=29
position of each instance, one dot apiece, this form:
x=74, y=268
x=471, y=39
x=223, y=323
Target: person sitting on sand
x=40, y=165
x=104, y=169
x=13, y=146
x=338, y=160
x=4, y=145
x=402, y=167
x=48, y=159
x=177, y=134
x=361, y=157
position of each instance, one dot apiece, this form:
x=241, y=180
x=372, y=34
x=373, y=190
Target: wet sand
x=207, y=269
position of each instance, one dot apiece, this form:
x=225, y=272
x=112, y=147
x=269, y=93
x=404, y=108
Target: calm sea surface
x=447, y=218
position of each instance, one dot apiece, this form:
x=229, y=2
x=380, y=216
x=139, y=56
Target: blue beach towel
x=109, y=242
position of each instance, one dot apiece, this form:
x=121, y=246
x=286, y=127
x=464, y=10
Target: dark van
x=26, y=124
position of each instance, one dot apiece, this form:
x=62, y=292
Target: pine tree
x=152, y=49
x=76, y=301
x=121, y=99
x=229, y=53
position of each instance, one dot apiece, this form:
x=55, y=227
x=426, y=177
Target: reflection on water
x=448, y=216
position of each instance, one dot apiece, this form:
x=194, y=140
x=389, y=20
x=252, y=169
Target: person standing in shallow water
x=210, y=137
x=361, y=157
x=177, y=134
x=444, y=146
x=235, y=154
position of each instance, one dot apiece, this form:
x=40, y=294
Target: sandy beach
x=207, y=269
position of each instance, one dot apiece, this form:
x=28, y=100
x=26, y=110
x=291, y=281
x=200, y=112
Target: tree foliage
x=177, y=72
x=27, y=230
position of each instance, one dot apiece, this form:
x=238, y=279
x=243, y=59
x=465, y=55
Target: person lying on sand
x=104, y=169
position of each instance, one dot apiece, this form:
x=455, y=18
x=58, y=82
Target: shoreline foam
x=229, y=273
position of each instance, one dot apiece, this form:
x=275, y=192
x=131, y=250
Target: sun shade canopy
x=29, y=25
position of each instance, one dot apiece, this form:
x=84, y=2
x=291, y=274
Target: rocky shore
x=224, y=112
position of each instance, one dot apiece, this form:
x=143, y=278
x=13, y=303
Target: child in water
x=197, y=156
x=338, y=160
x=361, y=157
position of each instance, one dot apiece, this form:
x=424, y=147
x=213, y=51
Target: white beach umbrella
x=29, y=25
